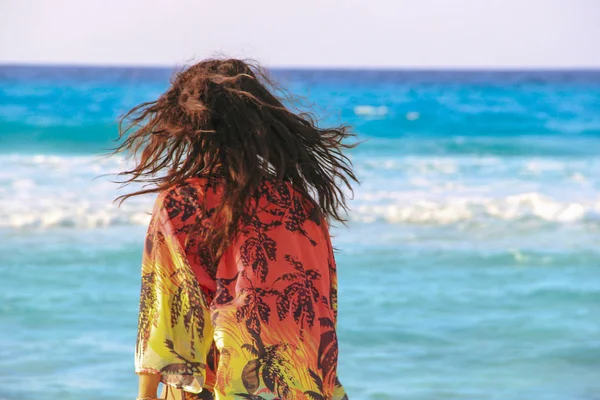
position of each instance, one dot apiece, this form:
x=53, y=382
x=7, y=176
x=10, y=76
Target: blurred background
x=470, y=265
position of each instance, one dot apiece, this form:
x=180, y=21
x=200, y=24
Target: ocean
x=469, y=268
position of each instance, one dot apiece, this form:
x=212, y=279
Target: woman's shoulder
x=191, y=187
x=189, y=195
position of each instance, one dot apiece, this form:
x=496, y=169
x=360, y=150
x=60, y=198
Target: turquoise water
x=469, y=268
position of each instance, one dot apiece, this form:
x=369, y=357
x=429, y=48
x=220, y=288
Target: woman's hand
x=148, y=385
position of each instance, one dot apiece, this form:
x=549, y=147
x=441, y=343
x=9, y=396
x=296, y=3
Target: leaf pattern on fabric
x=291, y=208
x=258, y=248
x=183, y=203
x=223, y=294
x=249, y=396
x=328, y=351
x=314, y=395
x=188, y=307
x=254, y=309
x=271, y=365
x=258, y=324
x=148, y=309
x=299, y=295
x=203, y=395
x=186, y=367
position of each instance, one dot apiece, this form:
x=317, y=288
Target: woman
x=239, y=287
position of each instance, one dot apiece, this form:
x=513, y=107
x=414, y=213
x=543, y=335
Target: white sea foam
x=77, y=192
x=520, y=207
x=48, y=191
x=371, y=111
x=413, y=115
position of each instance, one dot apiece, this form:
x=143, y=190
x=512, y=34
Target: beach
x=468, y=269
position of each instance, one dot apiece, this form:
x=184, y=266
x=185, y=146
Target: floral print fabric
x=259, y=323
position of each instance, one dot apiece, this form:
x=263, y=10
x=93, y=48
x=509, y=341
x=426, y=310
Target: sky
x=305, y=33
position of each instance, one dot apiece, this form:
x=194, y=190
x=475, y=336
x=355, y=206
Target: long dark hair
x=219, y=118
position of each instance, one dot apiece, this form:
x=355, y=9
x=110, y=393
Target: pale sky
x=305, y=33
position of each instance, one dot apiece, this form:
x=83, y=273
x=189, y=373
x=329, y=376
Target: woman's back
x=260, y=322
x=238, y=280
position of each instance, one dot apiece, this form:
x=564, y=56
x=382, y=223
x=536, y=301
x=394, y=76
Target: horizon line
x=333, y=68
